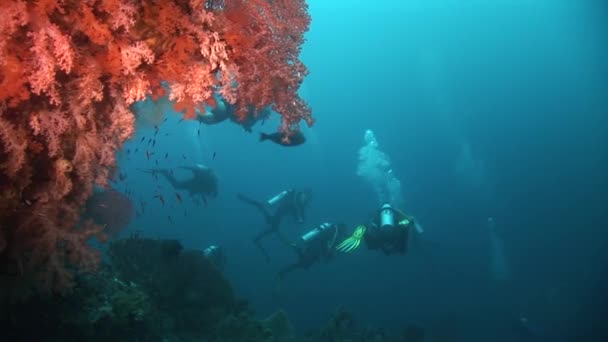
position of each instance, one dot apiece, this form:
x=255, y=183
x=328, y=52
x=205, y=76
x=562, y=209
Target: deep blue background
x=523, y=83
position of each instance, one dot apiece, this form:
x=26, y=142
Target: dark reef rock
x=154, y=290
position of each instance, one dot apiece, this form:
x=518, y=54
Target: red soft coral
x=265, y=39
x=14, y=144
x=69, y=71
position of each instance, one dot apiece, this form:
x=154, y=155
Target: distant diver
x=390, y=230
x=224, y=110
x=314, y=246
x=202, y=183
x=221, y=112
x=216, y=256
x=288, y=202
x=293, y=139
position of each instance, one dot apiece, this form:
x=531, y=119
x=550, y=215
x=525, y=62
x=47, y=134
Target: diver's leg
x=171, y=179
x=258, y=205
x=288, y=269
x=284, y=240
x=257, y=240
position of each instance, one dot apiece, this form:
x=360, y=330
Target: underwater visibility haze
x=297, y=170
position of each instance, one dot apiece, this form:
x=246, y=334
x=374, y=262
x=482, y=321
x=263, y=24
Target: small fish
x=170, y=219
x=185, y=213
x=156, y=161
x=166, y=134
x=205, y=200
x=179, y=198
x=183, y=156
x=155, y=129
x=295, y=138
x=103, y=205
x=213, y=157
x=149, y=141
x=147, y=154
x=166, y=155
x=165, y=120
x=143, y=138
x=198, y=132
x=161, y=199
x=128, y=151
x=153, y=142
x=136, y=149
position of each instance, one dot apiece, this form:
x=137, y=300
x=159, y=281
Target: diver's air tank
x=211, y=250
x=277, y=198
x=315, y=232
x=387, y=216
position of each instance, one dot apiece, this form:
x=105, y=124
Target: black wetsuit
x=317, y=248
x=290, y=205
x=203, y=181
x=390, y=240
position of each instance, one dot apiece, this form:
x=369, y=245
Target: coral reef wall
x=70, y=71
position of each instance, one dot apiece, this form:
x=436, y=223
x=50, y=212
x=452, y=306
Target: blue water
x=486, y=108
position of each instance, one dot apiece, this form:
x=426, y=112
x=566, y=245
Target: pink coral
x=14, y=145
x=266, y=39
x=134, y=55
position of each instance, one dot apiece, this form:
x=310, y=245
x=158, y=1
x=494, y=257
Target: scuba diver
x=216, y=256
x=288, y=202
x=317, y=244
x=224, y=110
x=203, y=181
x=389, y=230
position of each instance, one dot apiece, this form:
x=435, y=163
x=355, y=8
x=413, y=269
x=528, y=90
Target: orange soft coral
x=69, y=69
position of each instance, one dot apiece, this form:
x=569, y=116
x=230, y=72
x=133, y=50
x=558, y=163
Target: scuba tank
x=215, y=256
x=312, y=234
x=387, y=217
x=277, y=197
x=210, y=251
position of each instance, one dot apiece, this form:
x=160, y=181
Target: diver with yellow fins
x=389, y=230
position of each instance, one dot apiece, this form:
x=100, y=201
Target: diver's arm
x=400, y=215
x=176, y=184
